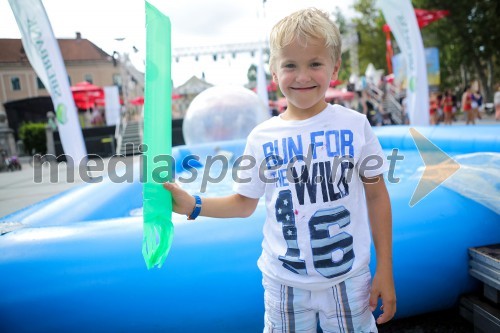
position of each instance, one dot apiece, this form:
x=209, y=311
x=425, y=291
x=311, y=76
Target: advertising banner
x=45, y=57
x=401, y=18
x=432, y=63
x=112, y=103
x=261, y=80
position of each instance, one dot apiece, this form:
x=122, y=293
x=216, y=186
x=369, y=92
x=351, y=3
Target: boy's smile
x=303, y=89
x=303, y=74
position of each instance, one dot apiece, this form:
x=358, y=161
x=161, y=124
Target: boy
x=316, y=246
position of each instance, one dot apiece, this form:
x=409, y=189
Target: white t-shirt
x=316, y=234
x=496, y=98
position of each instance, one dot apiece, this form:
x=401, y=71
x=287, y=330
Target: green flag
x=158, y=229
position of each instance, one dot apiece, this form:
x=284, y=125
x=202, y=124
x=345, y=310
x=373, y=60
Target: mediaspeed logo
x=438, y=166
x=412, y=83
x=61, y=114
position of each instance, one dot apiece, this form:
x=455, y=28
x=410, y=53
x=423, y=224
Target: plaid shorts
x=340, y=308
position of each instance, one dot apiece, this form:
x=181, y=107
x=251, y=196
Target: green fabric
x=158, y=230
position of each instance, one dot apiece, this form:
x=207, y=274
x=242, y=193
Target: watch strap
x=197, y=208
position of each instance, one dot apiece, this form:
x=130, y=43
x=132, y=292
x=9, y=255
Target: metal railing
x=387, y=101
x=119, y=130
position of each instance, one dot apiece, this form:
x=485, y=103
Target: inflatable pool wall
x=74, y=263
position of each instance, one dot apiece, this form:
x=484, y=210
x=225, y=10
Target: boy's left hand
x=383, y=287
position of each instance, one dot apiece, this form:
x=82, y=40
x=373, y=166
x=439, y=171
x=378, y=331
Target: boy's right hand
x=182, y=201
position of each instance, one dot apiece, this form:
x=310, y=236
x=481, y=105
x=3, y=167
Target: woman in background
x=447, y=105
x=496, y=101
x=467, y=107
x=433, y=110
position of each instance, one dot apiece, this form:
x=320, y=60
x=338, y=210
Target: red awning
x=87, y=95
x=424, y=17
x=137, y=101
x=85, y=87
x=140, y=99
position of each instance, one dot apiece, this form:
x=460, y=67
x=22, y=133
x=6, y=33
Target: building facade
x=84, y=62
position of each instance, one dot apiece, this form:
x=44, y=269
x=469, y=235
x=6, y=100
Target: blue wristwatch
x=197, y=208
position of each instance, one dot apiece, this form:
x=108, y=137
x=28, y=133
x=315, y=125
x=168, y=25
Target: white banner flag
x=44, y=54
x=112, y=103
x=400, y=16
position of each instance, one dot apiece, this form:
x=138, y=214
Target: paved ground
x=20, y=189
x=486, y=119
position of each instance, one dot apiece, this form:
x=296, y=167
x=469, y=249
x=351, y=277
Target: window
x=39, y=84
x=88, y=78
x=15, y=83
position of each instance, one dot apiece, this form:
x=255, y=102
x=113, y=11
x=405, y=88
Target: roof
x=78, y=49
x=192, y=86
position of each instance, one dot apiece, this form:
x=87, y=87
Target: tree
x=33, y=136
x=341, y=22
x=371, y=37
x=252, y=80
x=252, y=73
x=468, y=41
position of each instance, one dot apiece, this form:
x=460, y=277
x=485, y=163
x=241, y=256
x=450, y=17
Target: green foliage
x=33, y=136
x=252, y=73
x=467, y=39
x=371, y=47
x=345, y=68
x=341, y=22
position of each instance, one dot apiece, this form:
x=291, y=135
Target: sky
x=194, y=23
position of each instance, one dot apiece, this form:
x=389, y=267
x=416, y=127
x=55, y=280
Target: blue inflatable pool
x=74, y=262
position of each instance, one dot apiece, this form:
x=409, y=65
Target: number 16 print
x=333, y=255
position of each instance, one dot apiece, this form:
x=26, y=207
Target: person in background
x=433, y=109
x=97, y=119
x=404, y=106
x=316, y=247
x=467, y=106
x=476, y=103
x=359, y=103
x=447, y=105
x=384, y=110
x=455, y=96
x=440, y=113
x=496, y=101
x=372, y=113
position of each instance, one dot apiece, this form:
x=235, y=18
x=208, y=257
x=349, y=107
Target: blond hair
x=302, y=25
